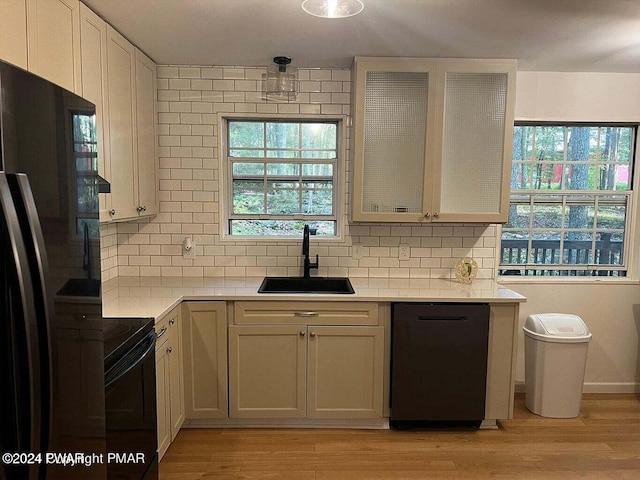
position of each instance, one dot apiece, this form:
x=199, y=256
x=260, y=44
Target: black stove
x=130, y=398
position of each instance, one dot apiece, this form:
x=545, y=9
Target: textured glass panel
x=473, y=142
x=394, y=140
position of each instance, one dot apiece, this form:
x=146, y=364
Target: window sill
x=508, y=279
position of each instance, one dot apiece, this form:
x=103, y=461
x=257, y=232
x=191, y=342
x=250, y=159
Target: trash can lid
x=557, y=327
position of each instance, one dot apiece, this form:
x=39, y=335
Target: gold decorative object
x=466, y=270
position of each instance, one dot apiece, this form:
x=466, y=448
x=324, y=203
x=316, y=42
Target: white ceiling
x=544, y=35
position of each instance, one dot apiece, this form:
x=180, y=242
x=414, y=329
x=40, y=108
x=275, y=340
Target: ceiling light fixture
x=280, y=82
x=332, y=8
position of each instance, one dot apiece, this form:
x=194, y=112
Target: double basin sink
x=331, y=285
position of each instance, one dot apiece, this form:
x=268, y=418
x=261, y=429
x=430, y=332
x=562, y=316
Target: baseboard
x=600, y=387
x=611, y=387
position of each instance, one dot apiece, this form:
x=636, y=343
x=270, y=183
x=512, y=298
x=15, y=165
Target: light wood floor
x=603, y=443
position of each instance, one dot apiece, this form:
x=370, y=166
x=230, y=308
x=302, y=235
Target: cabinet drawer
x=316, y=313
x=162, y=332
x=163, y=326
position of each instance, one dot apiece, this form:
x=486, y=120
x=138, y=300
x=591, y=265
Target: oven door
x=130, y=401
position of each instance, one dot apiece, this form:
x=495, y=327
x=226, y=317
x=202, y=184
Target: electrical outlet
x=188, y=248
x=356, y=251
x=404, y=252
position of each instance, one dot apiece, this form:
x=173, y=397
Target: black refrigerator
x=52, y=390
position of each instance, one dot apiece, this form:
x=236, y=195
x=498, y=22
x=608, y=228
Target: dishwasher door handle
x=442, y=318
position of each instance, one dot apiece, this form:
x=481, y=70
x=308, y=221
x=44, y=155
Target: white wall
x=612, y=311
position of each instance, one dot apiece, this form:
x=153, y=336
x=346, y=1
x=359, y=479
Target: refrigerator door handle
x=37, y=256
x=23, y=335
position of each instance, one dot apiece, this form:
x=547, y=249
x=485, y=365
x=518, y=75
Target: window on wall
x=571, y=190
x=281, y=175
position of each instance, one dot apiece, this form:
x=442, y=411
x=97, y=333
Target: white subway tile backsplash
x=190, y=99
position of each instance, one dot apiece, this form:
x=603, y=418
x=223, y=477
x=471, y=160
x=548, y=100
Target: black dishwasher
x=438, y=363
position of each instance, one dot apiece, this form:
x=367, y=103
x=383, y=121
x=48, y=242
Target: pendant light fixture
x=281, y=80
x=332, y=8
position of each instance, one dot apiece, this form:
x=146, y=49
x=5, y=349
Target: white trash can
x=555, y=348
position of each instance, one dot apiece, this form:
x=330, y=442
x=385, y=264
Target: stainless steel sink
x=306, y=285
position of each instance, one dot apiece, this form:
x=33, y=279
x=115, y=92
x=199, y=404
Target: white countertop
x=156, y=296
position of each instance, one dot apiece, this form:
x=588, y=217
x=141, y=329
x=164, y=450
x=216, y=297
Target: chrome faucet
x=305, y=251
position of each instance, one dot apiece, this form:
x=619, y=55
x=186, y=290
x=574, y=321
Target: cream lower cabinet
x=204, y=341
x=501, y=361
x=267, y=376
x=345, y=372
x=169, y=379
x=301, y=368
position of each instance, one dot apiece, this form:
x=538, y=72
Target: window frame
x=226, y=175
x=630, y=242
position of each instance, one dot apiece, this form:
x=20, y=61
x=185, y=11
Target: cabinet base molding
x=369, y=423
x=489, y=424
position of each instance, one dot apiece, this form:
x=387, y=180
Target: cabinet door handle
x=170, y=349
x=161, y=332
x=306, y=314
x=112, y=212
x=302, y=333
x=436, y=215
x=427, y=215
x=172, y=321
x=312, y=334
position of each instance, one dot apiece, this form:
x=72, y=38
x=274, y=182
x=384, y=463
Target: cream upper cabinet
x=53, y=28
x=145, y=82
x=131, y=83
x=93, y=37
x=204, y=341
x=13, y=32
x=122, y=125
x=432, y=139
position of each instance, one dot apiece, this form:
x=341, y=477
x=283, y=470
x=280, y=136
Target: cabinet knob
x=436, y=215
x=302, y=333
x=312, y=334
x=170, y=349
x=139, y=209
x=144, y=208
x=112, y=212
x=427, y=215
x=172, y=321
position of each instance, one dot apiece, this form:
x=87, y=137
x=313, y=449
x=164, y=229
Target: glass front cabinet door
x=432, y=140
